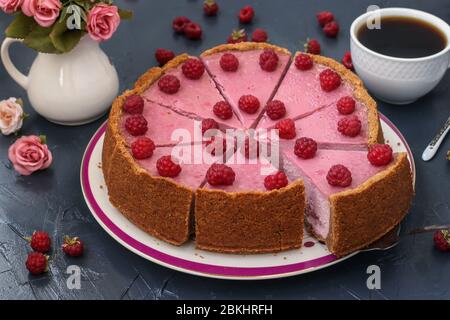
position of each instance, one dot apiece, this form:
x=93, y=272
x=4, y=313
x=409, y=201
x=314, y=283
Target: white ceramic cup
x=398, y=80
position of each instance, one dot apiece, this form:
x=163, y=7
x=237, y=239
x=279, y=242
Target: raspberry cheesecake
x=328, y=167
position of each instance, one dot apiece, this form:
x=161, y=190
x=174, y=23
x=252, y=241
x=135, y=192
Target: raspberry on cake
x=209, y=124
x=249, y=104
x=276, y=181
x=169, y=84
x=339, y=176
x=193, y=69
x=134, y=104
x=286, y=129
x=380, y=154
x=349, y=126
x=268, y=60
x=303, y=62
x=136, y=125
x=346, y=105
x=142, y=148
x=275, y=109
x=167, y=167
x=329, y=80
x=229, y=62
x=305, y=148
x=220, y=175
x=222, y=109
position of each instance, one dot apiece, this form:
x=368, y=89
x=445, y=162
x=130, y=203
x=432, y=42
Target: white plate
x=190, y=260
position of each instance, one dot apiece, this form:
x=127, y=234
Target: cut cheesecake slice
x=348, y=219
x=301, y=93
x=245, y=217
x=195, y=98
x=249, y=78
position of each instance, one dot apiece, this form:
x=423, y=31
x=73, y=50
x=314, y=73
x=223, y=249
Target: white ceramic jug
x=73, y=88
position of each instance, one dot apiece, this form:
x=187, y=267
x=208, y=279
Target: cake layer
x=195, y=98
x=249, y=77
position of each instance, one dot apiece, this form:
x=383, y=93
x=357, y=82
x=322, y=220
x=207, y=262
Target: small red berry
x=329, y=80
x=167, y=167
x=142, y=148
x=339, y=176
x=442, y=240
x=276, y=181
x=210, y=8
x=268, y=60
x=303, y=62
x=169, y=84
x=193, y=31
x=220, y=174
x=229, y=62
x=286, y=129
x=193, y=69
x=73, y=247
x=163, y=56
x=259, y=35
x=380, y=154
x=346, y=105
x=40, y=241
x=305, y=148
x=208, y=124
x=134, y=104
x=349, y=126
x=331, y=29
x=237, y=36
x=246, y=14
x=222, y=110
x=136, y=125
x=324, y=17
x=179, y=23
x=275, y=109
x=312, y=46
x=37, y=263
x=249, y=104
x=347, y=60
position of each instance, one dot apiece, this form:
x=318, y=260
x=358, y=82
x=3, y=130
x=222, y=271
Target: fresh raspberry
x=40, y=241
x=275, y=109
x=312, y=46
x=193, y=31
x=346, y=105
x=259, y=35
x=276, y=181
x=251, y=149
x=349, y=126
x=73, y=247
x=37, y=263
x=208, y=124
x=169, y=84
x=331, y=29
x=286, y=129
x=442, y=240
x=237, y=36
x=142, y=148
x=136, y=125
x=268, y=60
x=217, y=145
x=220, y=175
x=163, y=56
x=339, y=176
x=134, y=104
x=347, y=60
x=305, y=148
x=246, y=14
x=329, y=80
x=167, y=167
x=249, y=104
x=229, y=62
x=324, y=17
x=210, y=8
x=179, y=23
x=380, y=154
x=223, y=110
x=303, y=62
x=193, y=69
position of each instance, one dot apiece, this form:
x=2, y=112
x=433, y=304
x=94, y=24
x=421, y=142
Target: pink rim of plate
x=197, y=267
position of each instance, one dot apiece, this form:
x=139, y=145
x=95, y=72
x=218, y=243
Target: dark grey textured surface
x=52, y=200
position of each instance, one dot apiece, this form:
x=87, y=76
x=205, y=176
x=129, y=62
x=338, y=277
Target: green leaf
x=20, y=27
x=64, y=39
x=39, y=40
x=125, y=14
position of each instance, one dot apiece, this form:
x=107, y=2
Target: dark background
x=52, y=200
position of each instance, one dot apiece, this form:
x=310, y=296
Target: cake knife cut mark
x=434, y=145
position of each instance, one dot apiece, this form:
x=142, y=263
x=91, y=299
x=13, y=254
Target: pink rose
x=45, y=12
x=28, y=154
x=10, y=6
x=103, y=21
x=11, y=116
